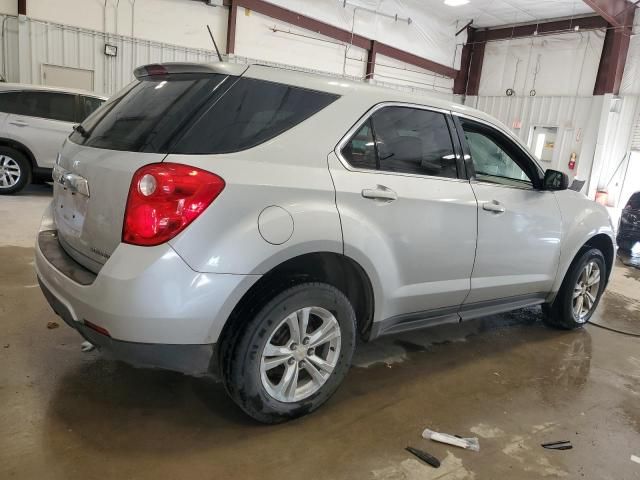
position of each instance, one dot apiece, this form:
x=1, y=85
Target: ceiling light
x=455, y=3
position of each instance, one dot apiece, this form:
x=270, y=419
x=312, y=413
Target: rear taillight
x=164, y=198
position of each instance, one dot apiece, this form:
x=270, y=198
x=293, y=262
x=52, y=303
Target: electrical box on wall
x=110, y=50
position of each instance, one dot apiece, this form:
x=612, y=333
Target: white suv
x=253, y=221
x=34, y=121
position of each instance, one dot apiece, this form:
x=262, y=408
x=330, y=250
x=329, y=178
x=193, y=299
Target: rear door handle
x=380, y=193
x=493, y=206
x=19, y=123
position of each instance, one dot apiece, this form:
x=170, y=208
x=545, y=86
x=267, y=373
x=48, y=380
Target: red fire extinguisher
x=572, y=161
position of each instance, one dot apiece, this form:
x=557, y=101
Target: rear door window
x=251, y=112
x=404, y=140
x=50, y=105
x=11, y=102
x=147, y=114
x=412, y=140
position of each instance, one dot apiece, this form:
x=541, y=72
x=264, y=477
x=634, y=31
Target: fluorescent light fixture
x=455, y=3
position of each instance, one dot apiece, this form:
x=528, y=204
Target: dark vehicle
x=629, y=230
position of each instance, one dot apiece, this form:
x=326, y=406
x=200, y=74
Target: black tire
x=24, y=167
x=242, y=355
x=560, y=313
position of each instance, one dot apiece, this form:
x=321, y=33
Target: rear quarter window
x=250, y=113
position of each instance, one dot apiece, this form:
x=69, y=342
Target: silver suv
x=253, y=221
x=34, y=122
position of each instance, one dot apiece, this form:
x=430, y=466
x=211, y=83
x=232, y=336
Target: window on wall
x=404, y=140
x=542, y=142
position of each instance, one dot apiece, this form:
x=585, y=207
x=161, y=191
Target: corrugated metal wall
x=576, y=118
x=635, y=138
x=28, y=44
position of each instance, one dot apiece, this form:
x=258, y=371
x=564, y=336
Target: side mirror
x=555, y=180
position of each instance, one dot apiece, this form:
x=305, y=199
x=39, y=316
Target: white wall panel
x=180, y=22
x=389, y=70
x=429, y=35
x=631, y=79
x=567, y=64
x=9, y=7
x=29, y=44
x=255, y=38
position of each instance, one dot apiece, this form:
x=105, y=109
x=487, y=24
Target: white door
x=67, y=77
x=406, y=214
x=519, y=225
x=42, y=121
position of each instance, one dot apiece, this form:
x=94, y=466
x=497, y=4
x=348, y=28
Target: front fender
x=582, y=220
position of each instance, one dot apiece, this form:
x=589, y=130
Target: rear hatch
x=134, y=128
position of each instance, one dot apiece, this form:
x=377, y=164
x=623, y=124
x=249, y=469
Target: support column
x=22, y=7
x=231, y=27
x=467, y=81
x=371, y=60
x=614, y=57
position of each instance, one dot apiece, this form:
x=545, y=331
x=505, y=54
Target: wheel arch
x=603, y=243
x=332, y=268
x=600, y=241
x=20, y=147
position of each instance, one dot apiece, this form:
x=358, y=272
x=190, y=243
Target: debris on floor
x=52, y=325
x=635, y=458
x=424, y=456
x=6, y=345
x=468, y=443
x=559, y=445
x=87, y=346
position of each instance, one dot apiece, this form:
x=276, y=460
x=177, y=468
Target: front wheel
x=580, y=292
x=293, y=354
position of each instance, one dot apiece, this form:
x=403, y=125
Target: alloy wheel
x=585, y=291
x=10, y=172
x=300, y=354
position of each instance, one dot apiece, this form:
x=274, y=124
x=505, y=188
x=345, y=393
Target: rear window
x=147, y=114
x=250, y=113
x=198, y=114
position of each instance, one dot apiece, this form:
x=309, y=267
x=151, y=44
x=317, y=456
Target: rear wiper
x=80, y=129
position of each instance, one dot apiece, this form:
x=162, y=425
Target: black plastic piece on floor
x=424, y=456
x=560, y=445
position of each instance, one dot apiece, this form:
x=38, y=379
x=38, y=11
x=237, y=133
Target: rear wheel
x=292, y=355
x=15, y=171
x=580, y=292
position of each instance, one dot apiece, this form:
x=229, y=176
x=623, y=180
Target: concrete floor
x=505, y=379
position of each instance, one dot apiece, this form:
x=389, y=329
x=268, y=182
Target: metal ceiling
x=492, y=13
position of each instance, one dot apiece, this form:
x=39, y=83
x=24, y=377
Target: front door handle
x=380, y=193
x=19, y=123
x=493, y=206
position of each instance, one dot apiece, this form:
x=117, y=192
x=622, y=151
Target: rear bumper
x=148, y=299
x=189, y=359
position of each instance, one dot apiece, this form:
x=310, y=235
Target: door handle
x=380, y=193
x=493, y=206
x=19, y=123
